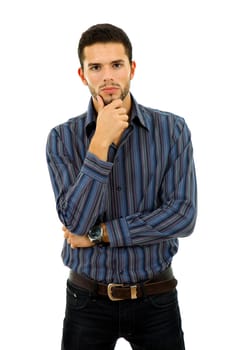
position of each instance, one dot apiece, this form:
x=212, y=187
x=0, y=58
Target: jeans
x=96, y=323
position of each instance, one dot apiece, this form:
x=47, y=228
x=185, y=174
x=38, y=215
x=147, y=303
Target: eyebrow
x=113, y=62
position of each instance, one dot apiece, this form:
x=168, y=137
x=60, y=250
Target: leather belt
x=163, y=283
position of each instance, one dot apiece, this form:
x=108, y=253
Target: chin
x=109, y=99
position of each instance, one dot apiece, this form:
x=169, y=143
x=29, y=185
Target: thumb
x=100, y=102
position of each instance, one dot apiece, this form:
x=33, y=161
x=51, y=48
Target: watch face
x=95, y=234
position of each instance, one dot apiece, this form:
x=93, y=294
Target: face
x=107, y=71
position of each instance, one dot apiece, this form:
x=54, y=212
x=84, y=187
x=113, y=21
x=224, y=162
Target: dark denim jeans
x=95, y=323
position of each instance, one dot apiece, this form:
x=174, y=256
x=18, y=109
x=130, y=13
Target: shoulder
x=161, y=115
x=75, y=122
x=156, y=118
x=72, y=125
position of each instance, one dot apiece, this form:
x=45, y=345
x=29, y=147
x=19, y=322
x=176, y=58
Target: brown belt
x=163, y=283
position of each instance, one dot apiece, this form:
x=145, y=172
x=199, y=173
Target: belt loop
x=143, y=289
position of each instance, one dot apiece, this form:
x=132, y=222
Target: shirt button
x=118, y=188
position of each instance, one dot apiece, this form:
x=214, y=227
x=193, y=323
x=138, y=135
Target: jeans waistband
x=163, y=282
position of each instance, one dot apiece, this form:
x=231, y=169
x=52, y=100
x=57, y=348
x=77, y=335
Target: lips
x=109, y=89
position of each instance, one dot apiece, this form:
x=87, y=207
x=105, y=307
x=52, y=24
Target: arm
x=79, y=189
x=176, y=215
x=79, y=182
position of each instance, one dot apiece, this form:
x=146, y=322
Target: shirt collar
x=137, y=116
x=90, y=122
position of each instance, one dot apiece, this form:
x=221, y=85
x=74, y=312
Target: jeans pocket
x=76, y=298
x=165, y=300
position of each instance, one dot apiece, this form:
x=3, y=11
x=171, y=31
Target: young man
x=124, y=182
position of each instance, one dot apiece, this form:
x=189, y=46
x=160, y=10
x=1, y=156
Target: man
x=124, y=182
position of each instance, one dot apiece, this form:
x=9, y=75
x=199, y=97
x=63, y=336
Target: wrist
x=105, y=237
x=99, y=148
x=98, y=234
x=95, y=234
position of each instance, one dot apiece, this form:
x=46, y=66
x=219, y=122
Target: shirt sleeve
x=176, y=216
x=79, y=189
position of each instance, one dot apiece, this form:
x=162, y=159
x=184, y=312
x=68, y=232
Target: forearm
x=150, y=228
x=99, y=147
x=81, y=201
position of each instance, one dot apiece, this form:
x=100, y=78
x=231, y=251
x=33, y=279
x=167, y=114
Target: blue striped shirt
x=145, y=193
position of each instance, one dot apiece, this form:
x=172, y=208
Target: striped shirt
x=145, y=193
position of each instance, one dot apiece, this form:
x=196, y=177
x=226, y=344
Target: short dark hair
x=103, y=33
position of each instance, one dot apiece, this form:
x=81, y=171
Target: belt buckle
x=133, y=291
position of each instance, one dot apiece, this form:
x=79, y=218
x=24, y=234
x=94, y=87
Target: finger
x=65, y=229
x=117, y=104
x=100, y=102
x=66, y=232
x=72, y=241
x=66, y=235
x=121, y=111
x=125, y=117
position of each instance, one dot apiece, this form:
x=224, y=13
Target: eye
x=117, y=65
x=95, y=67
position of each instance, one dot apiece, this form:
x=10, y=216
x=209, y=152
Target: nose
x=107, y=74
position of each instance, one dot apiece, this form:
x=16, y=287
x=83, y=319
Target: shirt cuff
x=96, y=168
x=118, y=233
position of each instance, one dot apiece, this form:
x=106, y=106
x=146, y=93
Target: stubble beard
x=111, y=98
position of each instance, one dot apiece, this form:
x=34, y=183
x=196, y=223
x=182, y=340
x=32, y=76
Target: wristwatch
x=95, y=234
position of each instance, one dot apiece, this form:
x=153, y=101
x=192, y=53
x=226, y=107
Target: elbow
x=73, y=219
x=189, y=222
x=66, y=217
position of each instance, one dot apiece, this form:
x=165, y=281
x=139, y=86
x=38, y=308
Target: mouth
x=110, y=89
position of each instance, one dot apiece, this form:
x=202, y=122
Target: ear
x=81, y=75
x=133, y=67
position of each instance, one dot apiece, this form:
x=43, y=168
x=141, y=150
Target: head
x=106, y=65
x=103, y=33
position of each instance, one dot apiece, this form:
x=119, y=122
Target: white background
x=183, y=51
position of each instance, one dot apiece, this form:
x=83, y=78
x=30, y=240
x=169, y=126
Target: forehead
x=104, y=52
